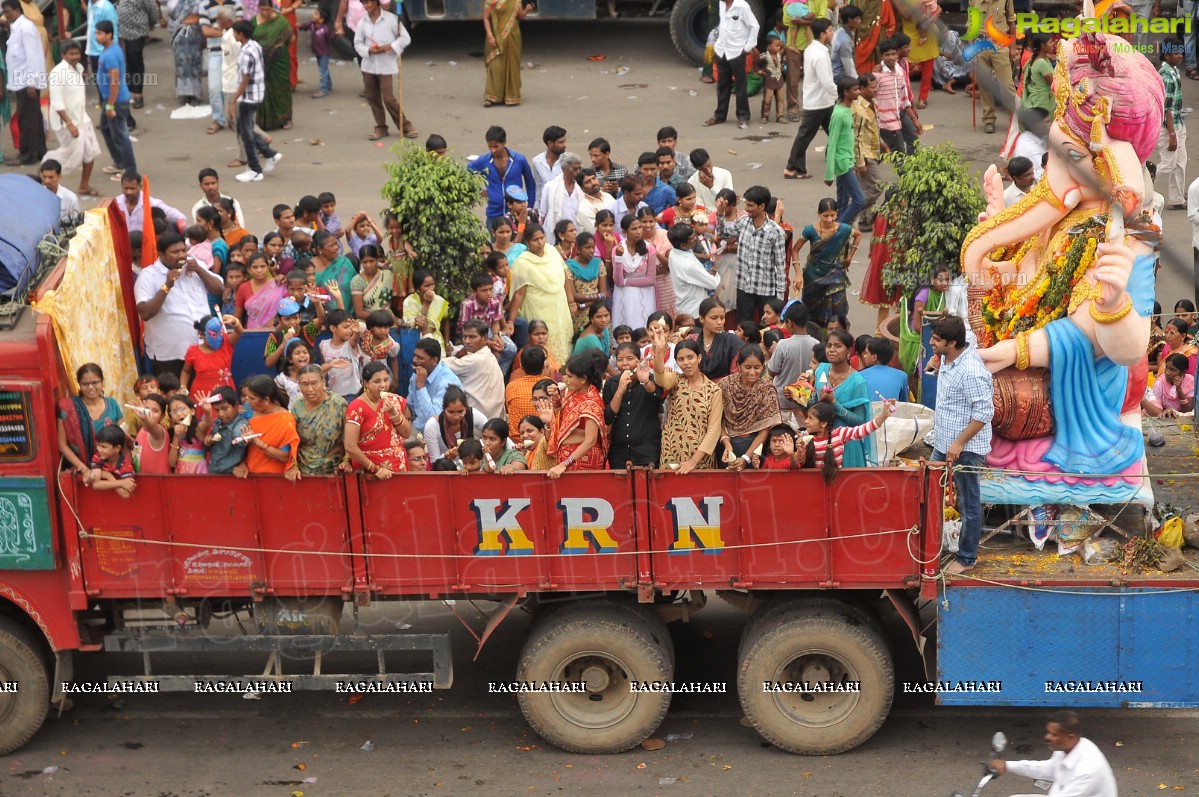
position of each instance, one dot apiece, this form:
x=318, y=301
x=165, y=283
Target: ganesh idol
x=1061, y=289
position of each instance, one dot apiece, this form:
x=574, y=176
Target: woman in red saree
x=577, y=438
x=878, y=23
x=376, y=426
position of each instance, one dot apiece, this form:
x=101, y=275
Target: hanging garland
x=1010, y=309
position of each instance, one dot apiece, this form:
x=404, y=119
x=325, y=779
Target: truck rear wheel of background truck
x=21, y=712
x=689, y=27
x=641, y=615
x=607, y=651
x=820, y=647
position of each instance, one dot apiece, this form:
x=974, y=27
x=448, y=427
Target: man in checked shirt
x=761, y=256
x=962, y=427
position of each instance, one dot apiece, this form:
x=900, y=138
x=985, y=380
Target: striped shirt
x=250, y=63
x=1173, y=81
x=838, y=438
x=964, y=394
x=891, y=99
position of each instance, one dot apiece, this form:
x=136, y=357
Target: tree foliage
x=934, y=203
x=434, y=199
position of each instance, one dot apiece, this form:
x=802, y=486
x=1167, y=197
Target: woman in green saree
x=824, y=274
x=333, y=270
x=501, y=20
x=272, y=31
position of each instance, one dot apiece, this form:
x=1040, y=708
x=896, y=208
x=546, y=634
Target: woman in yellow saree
x=501, y=20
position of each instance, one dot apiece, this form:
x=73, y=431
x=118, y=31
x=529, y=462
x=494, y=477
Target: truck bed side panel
x=216, y=536
x=432, y=533
x=1133, y=646
x=774, y=530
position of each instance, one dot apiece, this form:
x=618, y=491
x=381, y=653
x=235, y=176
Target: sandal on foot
x=713, y=121
x=920, y=106
x=215, y=128
x=378, y=134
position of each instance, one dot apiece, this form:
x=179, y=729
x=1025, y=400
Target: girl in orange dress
x=578, y=438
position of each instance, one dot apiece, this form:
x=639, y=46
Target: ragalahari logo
x=1067, y=28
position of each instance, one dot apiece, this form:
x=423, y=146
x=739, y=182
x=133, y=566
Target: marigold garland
x=1008, y=310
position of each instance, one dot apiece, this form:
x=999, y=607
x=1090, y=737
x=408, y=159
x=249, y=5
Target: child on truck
x=209, y=363
x=826, y=446
x=221, y=432
x=151, y=447
x=187, y=453
x=785, y=453
x=111, y=466
x=288, y=325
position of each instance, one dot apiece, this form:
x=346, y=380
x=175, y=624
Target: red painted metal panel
x=873, y=511
x=778, y=530
x=486, y=534
x=217, y=536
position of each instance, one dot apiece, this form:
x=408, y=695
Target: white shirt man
x=819, y=87
x=560, y=199
x=705, y=195
x=591, y=204
x=692, y=282
x=1082, y=771
x=479, y=372
x=171, y=330
x=738, y=30
x=384, y=30
x=543, y=169
x=68, y=200
x=1033, y=147
x=1193, y=215
x=135, y=215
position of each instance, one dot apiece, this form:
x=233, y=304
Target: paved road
x=466, y=741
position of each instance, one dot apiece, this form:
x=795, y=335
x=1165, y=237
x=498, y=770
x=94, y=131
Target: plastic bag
x=904, y=429
x=1098, y=550
x=801, y=391
x=1170, y=533
x=952, y=531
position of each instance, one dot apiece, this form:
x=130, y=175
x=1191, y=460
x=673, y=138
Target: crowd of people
x=645, y=314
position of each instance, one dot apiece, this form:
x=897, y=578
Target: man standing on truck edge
x=735, y=37
x=962, y=428
x=172, y=295
x=1077, y=767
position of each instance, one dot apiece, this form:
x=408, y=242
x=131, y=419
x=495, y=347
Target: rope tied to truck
x=84, y=534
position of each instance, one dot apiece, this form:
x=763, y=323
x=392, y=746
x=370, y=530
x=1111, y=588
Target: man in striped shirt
x=248, y=97
x=891, y=99
x=962, y=427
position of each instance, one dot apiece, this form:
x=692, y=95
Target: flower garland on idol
x=1009, y=309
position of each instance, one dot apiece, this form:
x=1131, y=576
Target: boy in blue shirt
x=110, y=79
x=880, y=377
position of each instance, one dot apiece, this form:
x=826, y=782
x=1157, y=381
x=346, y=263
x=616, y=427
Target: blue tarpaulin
x=27, y=212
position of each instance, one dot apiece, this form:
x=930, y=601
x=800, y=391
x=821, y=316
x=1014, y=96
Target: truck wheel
x=689, y=27
x=22, y=712
x=644, y=617
x=769, y=616
x=607, y=653
x=817, y=649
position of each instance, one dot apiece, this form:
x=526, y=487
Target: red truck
x=601, y=560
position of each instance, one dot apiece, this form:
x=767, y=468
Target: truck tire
x=689, y=27
x=645, y=618
x=769, y=616
x=608, y=652
x=816, y=647
x=22, y=712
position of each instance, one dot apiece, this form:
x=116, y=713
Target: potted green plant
x=434, y=198
x=934, y=203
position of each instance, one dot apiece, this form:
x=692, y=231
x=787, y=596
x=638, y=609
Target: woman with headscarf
x=751, y=408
